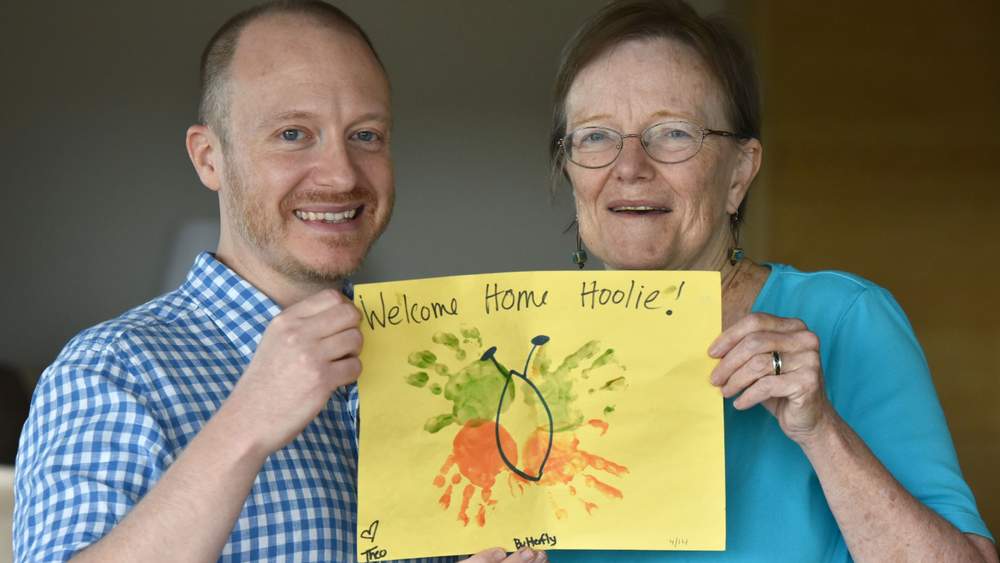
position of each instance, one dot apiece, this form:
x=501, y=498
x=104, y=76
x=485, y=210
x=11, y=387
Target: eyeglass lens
x=669, y=142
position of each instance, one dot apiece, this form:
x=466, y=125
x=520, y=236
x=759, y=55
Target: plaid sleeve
x=89, y=451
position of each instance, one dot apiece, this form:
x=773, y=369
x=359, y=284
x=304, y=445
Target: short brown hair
x=218, y=54
x=624, y=20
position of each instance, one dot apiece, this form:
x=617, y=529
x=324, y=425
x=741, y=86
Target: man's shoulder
x=167, y=317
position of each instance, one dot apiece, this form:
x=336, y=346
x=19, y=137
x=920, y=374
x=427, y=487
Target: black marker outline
x=490, y=355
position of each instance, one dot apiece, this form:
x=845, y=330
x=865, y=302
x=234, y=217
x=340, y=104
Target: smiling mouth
x=640, y=209
x=331, y=218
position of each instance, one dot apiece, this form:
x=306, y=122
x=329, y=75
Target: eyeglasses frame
x=705, y=132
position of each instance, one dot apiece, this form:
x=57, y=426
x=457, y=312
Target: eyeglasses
x=669, y=142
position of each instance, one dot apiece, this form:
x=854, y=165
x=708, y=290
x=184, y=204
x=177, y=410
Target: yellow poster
x=558, y=410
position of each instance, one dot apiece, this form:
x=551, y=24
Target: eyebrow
x=588, y=119
x=290, y=115
x=380, y=116
x=296, y=114
x=670, y=114
x=600, y=116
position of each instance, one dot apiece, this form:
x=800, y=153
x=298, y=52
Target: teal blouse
x=877, y=378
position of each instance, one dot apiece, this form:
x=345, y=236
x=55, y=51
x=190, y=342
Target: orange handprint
x=567, y=461
x=474, y=452
x=483, y=389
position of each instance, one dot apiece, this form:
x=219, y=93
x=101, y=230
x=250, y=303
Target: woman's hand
x=795, y=397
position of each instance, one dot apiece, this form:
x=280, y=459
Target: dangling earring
x=580, y=255
x=736, y=252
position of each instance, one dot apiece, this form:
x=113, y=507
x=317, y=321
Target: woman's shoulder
x=785, y=279
x=820, y=298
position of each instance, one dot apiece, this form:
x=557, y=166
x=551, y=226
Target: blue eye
x=368, y=140
x=678, y=134
x=593, y=139
x=367, y=136
x=292, y=135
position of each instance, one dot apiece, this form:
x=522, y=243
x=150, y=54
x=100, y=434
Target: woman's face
x=637, y=213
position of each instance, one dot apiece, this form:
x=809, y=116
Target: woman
x=836, y=446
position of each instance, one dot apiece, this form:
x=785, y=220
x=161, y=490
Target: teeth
x=327, y=217
x=639, y=208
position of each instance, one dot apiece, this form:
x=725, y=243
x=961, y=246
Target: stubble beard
x=265, y=237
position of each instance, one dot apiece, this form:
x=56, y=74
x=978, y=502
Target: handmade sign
x=558, y=410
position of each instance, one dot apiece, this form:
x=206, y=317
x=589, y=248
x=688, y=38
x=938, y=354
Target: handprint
x=475, y=458
x=474, y=392
x=567, y=461
x=482, y=449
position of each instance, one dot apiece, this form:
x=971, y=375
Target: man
x=219, y=421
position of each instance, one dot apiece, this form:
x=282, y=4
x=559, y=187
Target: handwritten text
x=410, y=313
x=544, y=540
x=630, y=297
x=509, y=299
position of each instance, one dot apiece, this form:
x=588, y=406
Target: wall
x=881, y=153
x=96, y=184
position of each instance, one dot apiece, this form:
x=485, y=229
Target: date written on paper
x=678, y=542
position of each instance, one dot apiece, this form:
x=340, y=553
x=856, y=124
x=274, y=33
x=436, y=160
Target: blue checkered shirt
x=124, y=398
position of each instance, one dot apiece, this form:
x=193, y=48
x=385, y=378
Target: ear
x=205, y=151
x=747, y=166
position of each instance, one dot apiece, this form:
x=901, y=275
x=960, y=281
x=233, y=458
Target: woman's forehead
x=643, y=78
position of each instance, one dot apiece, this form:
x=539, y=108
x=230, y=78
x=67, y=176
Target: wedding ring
x=776, y=362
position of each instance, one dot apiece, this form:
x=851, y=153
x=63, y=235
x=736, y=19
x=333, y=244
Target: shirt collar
x=241, y=311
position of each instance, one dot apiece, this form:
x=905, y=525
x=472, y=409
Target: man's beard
x=265, y=235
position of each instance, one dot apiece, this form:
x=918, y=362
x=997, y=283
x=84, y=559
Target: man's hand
x=498, y=555
x=307, y=352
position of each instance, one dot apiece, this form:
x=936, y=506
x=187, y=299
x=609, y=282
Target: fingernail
x=713, y=378
x=540, y=557
x=497, y=555
x=526, y=554
x=713, y=350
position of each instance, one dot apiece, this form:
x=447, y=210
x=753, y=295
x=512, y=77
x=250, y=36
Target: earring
x=580, y=255
x=736, y=252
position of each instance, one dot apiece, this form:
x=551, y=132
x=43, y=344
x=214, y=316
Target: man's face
x=307, y=182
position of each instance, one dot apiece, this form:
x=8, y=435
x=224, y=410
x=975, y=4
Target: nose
x=633, y=164
x=335, y=167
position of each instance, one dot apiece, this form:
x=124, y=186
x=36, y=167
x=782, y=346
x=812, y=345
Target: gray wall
x=96, y=183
